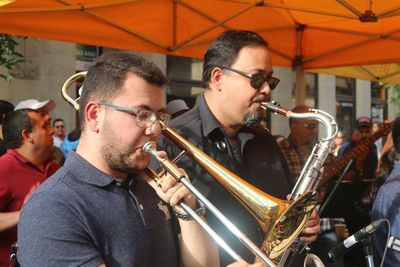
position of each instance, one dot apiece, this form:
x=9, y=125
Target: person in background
x=101, y=208
x=297, y=147
x=42, y=107
x=237, y=77
x=387, y=206
x=358, y=182
x=5, y=108
x=71, y=141
x=365, y=166
x=27, y=163
x=337, y=144
x=177, y=107
x=59, y=132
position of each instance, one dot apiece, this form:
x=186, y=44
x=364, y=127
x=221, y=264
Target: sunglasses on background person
x=257, y=80
x=310, y=126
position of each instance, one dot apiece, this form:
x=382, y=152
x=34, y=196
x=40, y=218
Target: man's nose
x=154, y=129
x=265, y=89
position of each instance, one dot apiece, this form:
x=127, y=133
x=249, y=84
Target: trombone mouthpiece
x=150, y=148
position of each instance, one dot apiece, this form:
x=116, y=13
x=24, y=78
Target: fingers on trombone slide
x=174, y=192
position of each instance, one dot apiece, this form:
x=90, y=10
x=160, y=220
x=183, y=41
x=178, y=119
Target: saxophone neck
x=308, y=179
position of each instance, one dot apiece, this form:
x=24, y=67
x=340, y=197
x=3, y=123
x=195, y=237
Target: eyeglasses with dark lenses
x=59, y=126
x=257, y=80
x=310, y=126
x=144, y=118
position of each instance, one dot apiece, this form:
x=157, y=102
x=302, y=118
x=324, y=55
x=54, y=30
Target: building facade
x=48, y=64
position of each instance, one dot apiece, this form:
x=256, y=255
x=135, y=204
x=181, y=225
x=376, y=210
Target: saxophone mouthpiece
x=274, y=107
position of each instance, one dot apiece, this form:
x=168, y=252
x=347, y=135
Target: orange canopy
x=310, y=33
x=386, y=73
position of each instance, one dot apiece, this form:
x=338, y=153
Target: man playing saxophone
x=237, y=77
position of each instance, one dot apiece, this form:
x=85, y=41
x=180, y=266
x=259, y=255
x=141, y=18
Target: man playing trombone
x=100, y=209
x=238, y=77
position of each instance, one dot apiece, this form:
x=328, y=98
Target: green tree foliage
x=8, y=56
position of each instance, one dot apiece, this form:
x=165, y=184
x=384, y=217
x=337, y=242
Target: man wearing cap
x=27, y=163
x=5, y=107
x=364, y=167
x=42, y=107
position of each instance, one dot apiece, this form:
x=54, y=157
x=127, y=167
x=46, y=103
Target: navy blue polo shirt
x=81, y=216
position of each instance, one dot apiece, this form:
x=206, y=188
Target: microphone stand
x=334, y=189
x=368, y=251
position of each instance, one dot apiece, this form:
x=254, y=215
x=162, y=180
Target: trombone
x=170, y=167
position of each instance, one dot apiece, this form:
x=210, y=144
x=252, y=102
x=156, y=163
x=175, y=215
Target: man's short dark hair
x=106, y=77
x=57, y=120
x=396, y=133
x=224, y=50
x=14, y=123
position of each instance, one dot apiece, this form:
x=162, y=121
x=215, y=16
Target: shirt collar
x=18, y=156
x=24, y=160
x=208, y=121
x=91, y=175
x=211, y=127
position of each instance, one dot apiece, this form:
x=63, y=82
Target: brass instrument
x=309, y=177
x=281, y=220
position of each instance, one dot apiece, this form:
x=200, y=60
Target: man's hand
x=170, y=190
x=311, y=229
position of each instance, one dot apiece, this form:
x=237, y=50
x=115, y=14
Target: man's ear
x=216, y=80
x=92, y=116
x=26, y=136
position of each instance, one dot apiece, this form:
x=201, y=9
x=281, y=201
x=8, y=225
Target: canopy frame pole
x=300, y=89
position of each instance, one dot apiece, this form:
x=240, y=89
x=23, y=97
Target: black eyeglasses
x=257, y=80
x=144, y=118
x=59, y=126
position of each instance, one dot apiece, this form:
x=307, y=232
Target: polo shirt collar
x=18, y=156
x=26, y=161
x=91, y=175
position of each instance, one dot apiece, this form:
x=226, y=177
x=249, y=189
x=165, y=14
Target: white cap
x=34, y=104
x=176, y=105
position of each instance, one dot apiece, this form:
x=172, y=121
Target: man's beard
x=117, y=157
x=251, y=119
x=117, y=160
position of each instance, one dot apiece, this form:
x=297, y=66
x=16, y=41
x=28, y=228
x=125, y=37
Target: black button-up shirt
x=259, y=162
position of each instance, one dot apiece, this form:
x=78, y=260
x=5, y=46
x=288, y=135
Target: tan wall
x=48, y=64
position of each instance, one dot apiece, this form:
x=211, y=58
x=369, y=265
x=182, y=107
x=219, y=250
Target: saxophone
x=309, y=177
x=360, y=151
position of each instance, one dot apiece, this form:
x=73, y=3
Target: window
x=185, y=79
